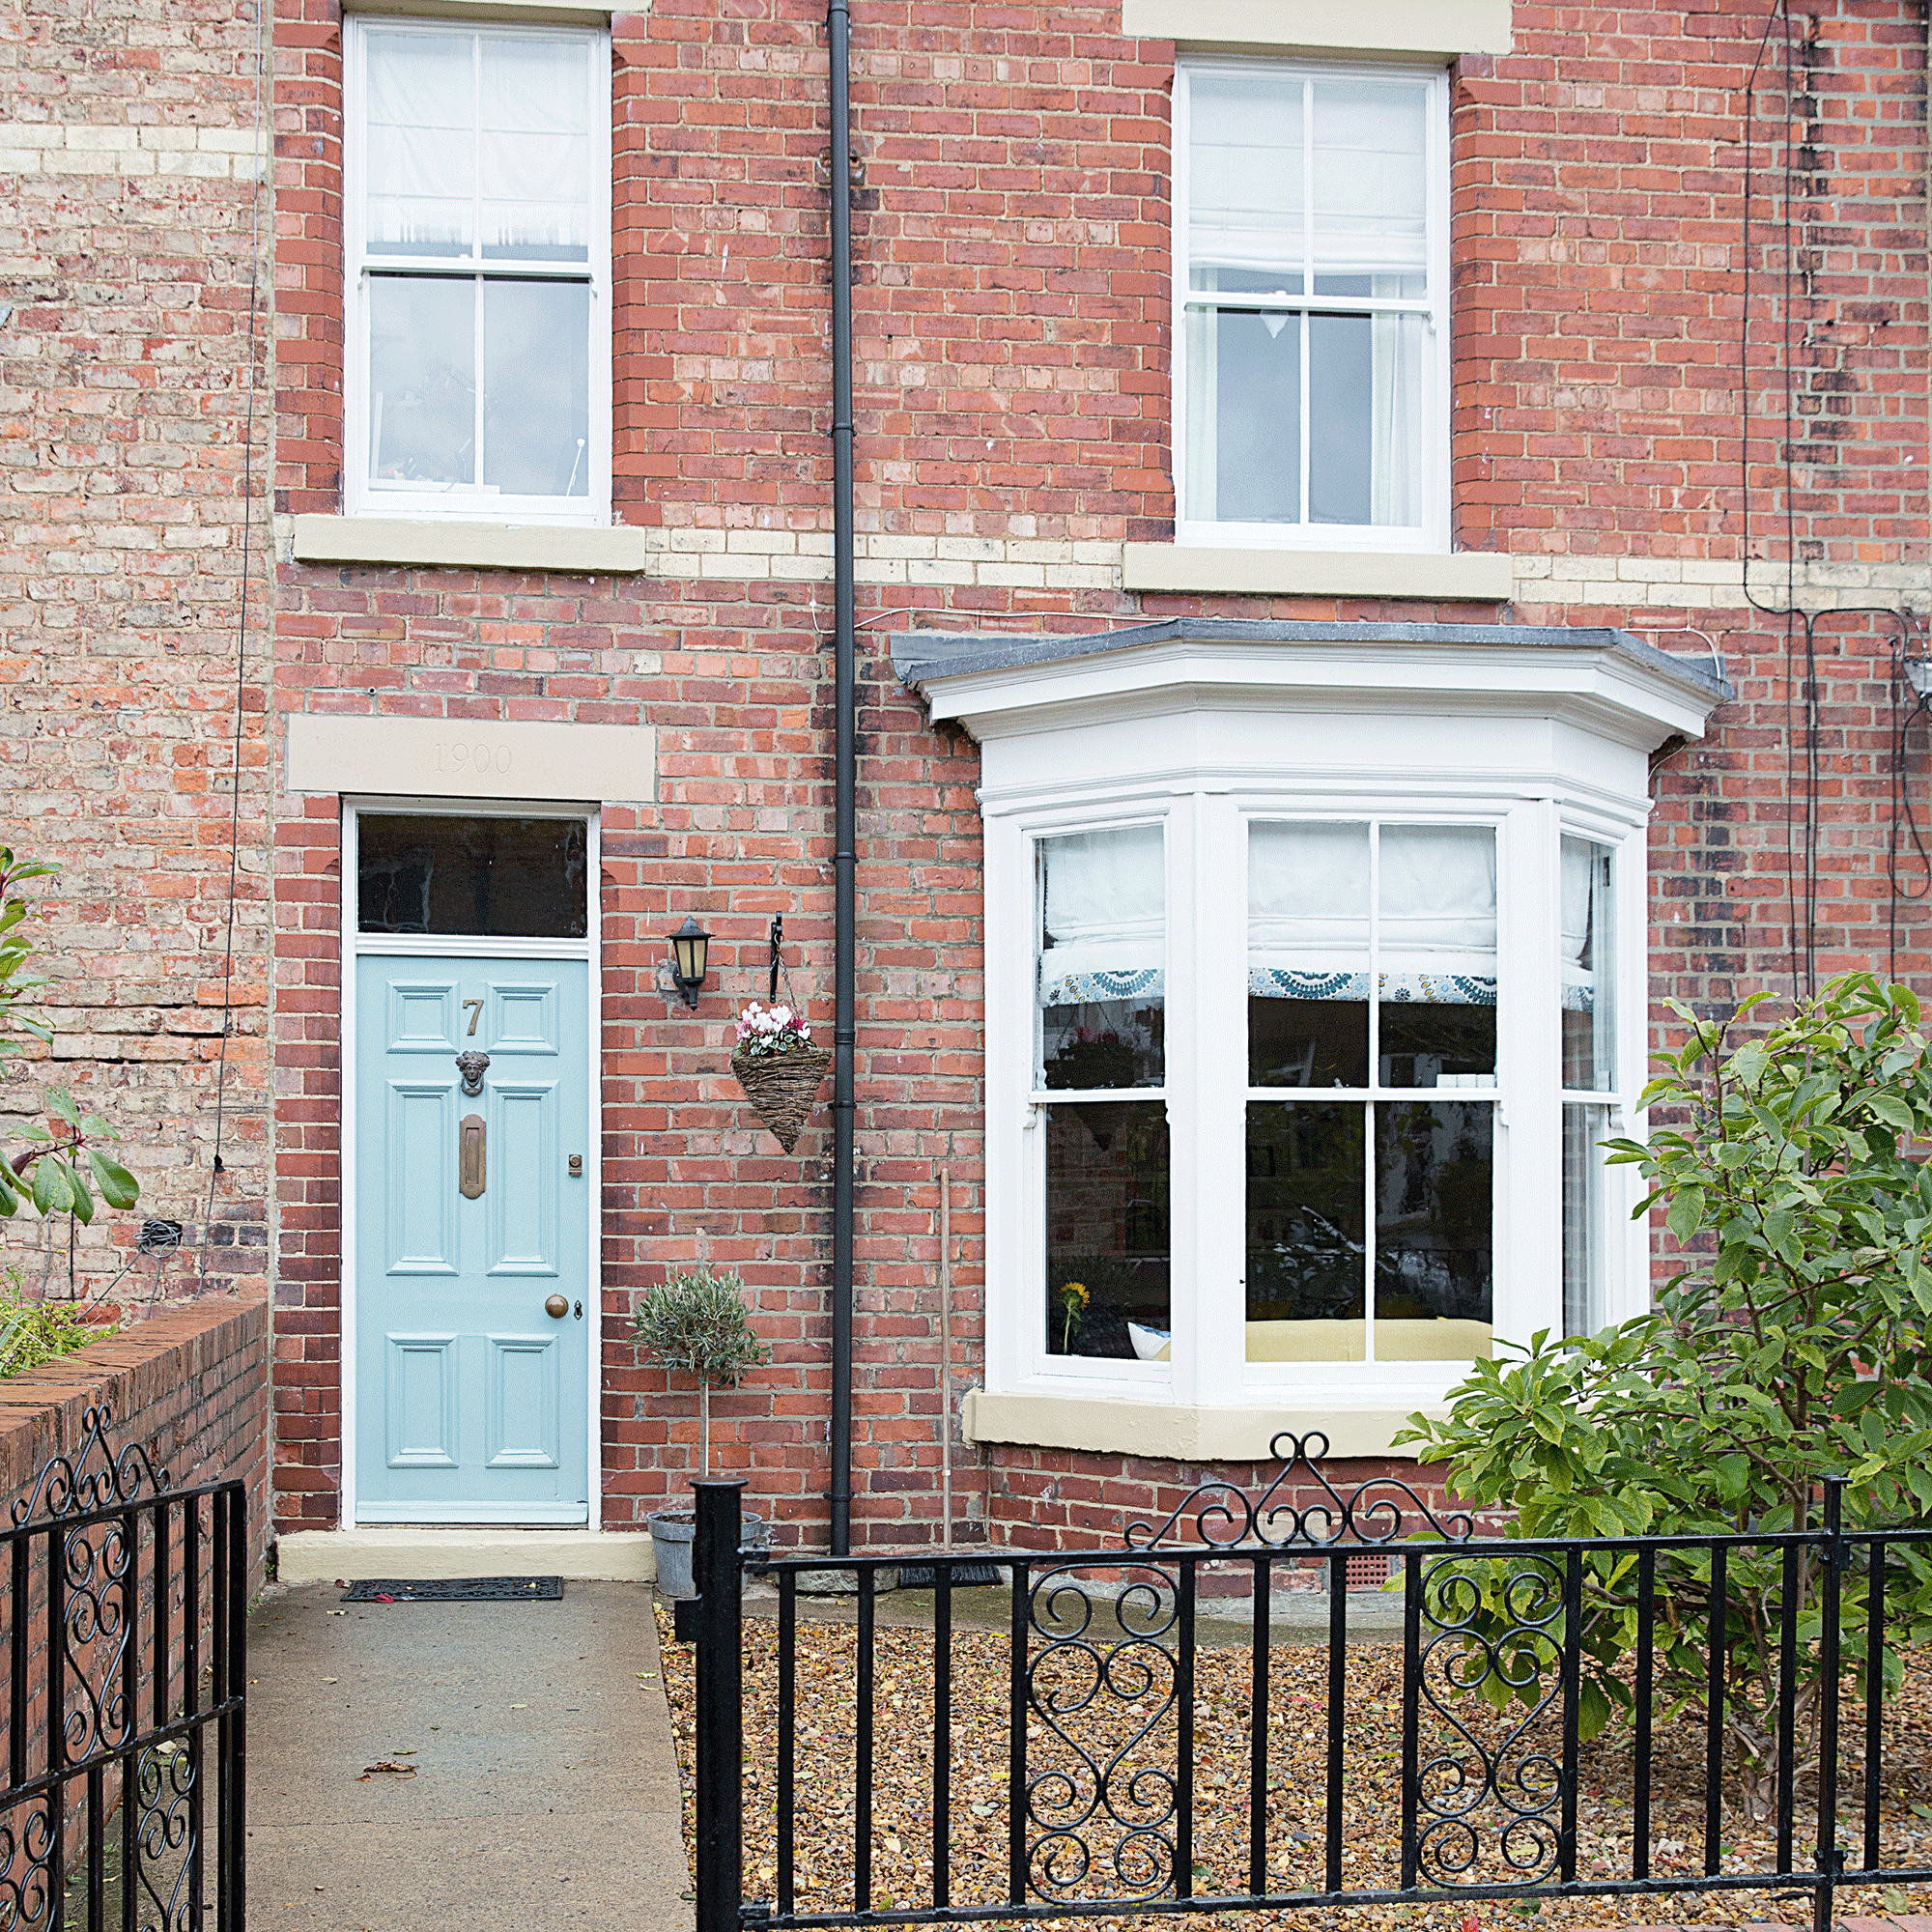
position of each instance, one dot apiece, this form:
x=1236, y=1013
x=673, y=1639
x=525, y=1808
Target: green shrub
x=1794, y=1343
x=48, y=1173
x=35, y=1332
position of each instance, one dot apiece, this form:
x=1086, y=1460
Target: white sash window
x=478, y=205
x=1311, y=271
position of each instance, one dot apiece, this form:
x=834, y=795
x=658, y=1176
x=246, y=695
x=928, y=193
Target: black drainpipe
x=845, y=858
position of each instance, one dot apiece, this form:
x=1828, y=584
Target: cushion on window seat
x=1443, y=1340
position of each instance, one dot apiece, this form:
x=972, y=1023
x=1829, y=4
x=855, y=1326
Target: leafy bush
x=47, y=1175
x=35, y=1332
x=696, y=1325
x=1795, y=1343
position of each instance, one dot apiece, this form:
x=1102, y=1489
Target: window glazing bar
x=470, y=271
x=1214, y=298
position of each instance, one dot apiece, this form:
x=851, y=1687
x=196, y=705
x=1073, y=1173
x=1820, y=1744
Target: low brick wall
x=189, y=1385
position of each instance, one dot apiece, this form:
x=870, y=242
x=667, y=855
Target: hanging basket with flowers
x=779, y=1068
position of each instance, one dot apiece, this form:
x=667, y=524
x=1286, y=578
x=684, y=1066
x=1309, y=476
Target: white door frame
x=423, y=946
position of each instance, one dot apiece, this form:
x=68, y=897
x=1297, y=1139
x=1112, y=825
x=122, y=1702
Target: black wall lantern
x=690, y=957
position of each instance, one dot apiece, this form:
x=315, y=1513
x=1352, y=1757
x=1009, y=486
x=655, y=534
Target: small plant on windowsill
x=1074, y=1299
x=778, y=1067
x=696, y=1324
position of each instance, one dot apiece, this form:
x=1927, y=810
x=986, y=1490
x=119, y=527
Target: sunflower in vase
x=1073, y=1299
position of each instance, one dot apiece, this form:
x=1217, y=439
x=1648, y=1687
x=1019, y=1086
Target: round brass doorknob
x=558, y=1306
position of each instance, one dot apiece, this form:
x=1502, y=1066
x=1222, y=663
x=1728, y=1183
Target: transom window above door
x=1311, y=268
x=478, y=214
x=441, y=875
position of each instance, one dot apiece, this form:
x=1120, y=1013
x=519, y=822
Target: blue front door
x=472, y=1232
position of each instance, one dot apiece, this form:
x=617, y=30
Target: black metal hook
x=778, y=941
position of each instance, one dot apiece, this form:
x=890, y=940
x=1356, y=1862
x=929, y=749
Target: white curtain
x=427, y=97
x=1308, y=897
x=1246, y=195
x=1578, y=875
x=1586, y=957
x=1105, y=913
x=535, y=108
x=1308, y=907
x=1439, y=898
x=1395, y=437
x=1370, y=213
x=420, y=117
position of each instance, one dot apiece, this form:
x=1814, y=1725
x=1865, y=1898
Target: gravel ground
x=903, y=1797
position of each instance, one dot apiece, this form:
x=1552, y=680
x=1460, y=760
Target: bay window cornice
x=1607, y=680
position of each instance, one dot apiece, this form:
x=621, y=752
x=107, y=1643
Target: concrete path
x=546, y=1791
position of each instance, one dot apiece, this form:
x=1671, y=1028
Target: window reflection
x=1585, y=1237
x=490, y=878
x=1306, y=1211
x=1107, y=1242
x=1434, y=1183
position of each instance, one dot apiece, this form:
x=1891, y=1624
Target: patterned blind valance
x=1103, y=900
x=1309, y=912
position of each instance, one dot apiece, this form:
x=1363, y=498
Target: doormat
x=455, y=1590
x=965, y=1575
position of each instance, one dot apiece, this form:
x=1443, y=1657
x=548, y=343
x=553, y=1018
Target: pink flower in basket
x=765, y=1031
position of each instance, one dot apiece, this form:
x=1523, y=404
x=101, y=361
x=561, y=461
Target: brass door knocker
x=473, y=1067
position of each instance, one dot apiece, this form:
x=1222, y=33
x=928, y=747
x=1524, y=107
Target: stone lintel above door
x=458, y=757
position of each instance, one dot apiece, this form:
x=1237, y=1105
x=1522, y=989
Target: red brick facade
x=1013, y=314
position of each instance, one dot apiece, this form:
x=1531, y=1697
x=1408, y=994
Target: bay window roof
x=980, y=677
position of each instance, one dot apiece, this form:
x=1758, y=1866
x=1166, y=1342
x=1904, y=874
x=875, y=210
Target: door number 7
x=474, y=1009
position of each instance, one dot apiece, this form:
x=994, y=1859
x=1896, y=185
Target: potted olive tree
x=696, y=1325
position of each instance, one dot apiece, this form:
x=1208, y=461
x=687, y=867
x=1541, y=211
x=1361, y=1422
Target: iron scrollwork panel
x=1488, y=1776
x=28, y=1885
x=167, y=1836
x=1103, y=1787
x=98, y=1619
x=1220, y=1514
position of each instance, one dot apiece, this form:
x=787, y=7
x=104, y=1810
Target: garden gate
x=1100, y=1655
x=126, y=1686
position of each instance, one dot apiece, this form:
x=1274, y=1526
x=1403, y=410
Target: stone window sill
x=602, y=549
x=1425, y=29
x=1180, y=1431
x=1469, y=576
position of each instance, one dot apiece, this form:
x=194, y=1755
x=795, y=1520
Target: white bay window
x=477, y=208
x=1306, y=952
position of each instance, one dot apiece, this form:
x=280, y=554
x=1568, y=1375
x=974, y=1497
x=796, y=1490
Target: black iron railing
x=1100, y=1650
x=126, y=1691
